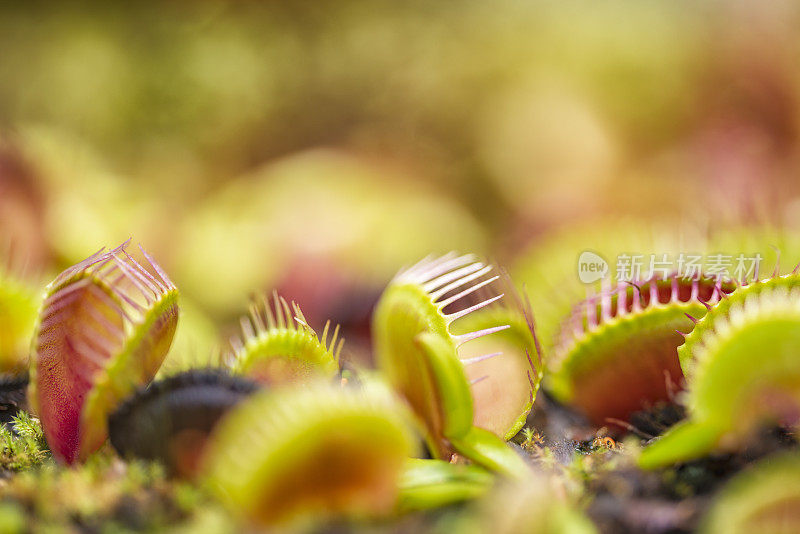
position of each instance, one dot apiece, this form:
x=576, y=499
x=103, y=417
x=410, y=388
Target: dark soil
x=13, y=397
x=673, y=500
x=625, y=499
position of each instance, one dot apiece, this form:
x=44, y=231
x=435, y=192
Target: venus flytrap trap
x=104, y=327
x=170, y=420
x=294, y=456
x=764, y=498
x=618, y=350
x=742, y=369
x=273, y=434
x=505, y=368
x=552, y=271
x=422, y=358
x=278, y=346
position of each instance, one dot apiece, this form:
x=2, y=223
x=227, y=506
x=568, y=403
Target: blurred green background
x=316, y=147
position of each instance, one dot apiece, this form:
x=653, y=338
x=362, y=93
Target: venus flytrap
x=292, y=456
x=505, y=369
x=278, y=346
x=618, y=351
x=104, y=327
x=170, y=420
x=421, y=356
x=764, y=498
x=741, y=363
x=552, y=270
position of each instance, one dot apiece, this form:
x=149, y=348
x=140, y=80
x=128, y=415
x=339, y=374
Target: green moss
x=23, y=443
x=103, y=495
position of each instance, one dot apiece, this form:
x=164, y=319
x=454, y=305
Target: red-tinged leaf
x=104, y=328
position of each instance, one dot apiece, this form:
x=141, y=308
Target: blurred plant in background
x=316, y=147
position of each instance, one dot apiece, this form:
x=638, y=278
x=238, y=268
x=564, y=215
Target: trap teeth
x=551, y=268
x=433, y=328
x=278, y=346
x=504, y=368
x=104, y=328
x=742, y=372
x=619, y=350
